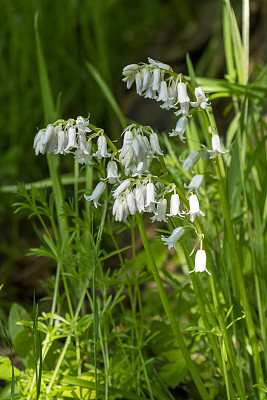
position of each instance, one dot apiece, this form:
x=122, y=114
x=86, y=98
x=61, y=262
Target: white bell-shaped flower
x=95, y=196
x=112, y=172
x=131, y=202
x=120, y=208
x=156, y=79
x=160, y=214
x=195, y=182
x=182, y=93
x=159, y=64
x=48, y=133
x=121, y=188
x=194, y=208
x=150, y=194
x=175, y=206
x=139, y=82
x=62, y=141
x=191, y=160
x=71, y=140
x=200, y=262
x=180, y=128
x=171, y=240
x=154, y=142
x=102, y=148
x=216, y=147
x=82, y=125
x=202, y=101
x=140, y=196
x=184, y=110
x=163, y=91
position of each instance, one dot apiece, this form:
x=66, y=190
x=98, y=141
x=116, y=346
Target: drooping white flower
x=131, y=202
x=95, y=196
x=156, y=79
x=83, y=153
x=216, y=147
x=48, y=133
x=180, y=128
x=121, y=188
x=42, y=138
x=159, y=64
x=194, y=208
x=184, y=110
x=136, y=153
x=191, y=160
x=163, y=92
x=160, y=213
x=154, y=142
x=195, y=182
x=147, y=79
x=129, y=74
x=84, y=146
x=82, y=158
x=131, y=67
x=139, y=82
x=52, y=143
x=150, y=194
x=182, y=93
x=175, y=206
x=71, y=140
x=102, y=148
x=82, y=125
x=200, y=262
x=150, y=93
x=112, y=172
x=171, y=240
x=202, y=101
x=62, y=141
x=140, y=196
x=120, y=208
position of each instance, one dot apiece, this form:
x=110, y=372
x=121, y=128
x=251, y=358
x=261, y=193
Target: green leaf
x=17, y=314
x=6, y=369
x=199, y=329
x=173, y=372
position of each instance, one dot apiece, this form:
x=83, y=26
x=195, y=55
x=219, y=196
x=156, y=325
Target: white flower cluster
x=157, y=81
x=135, y=189
x=138, y=150
x=64, y=137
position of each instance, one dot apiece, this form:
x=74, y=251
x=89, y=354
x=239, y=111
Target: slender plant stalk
x=201, y=300
x=241, y=285
x=174, y=325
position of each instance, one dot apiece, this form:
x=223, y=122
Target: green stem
x=59, y=201
x=227, y=341
x=174, y=325
x=202, y=300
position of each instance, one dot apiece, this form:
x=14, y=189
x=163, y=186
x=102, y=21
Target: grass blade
x=107, y=93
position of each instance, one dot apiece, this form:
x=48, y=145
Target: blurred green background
x=109, y=34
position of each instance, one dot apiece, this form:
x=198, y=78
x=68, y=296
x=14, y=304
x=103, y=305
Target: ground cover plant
x=159, y=291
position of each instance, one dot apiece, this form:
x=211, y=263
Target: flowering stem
x=201, y=300
x=174, y=325
x=240, y=282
